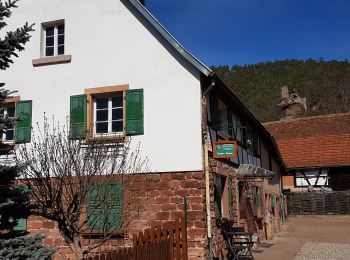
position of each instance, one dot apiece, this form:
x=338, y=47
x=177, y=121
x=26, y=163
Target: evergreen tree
x=14, y=203
x=13, y=40
x=20, y=248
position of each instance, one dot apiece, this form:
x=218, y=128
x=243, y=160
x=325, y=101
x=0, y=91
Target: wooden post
x=206, y=169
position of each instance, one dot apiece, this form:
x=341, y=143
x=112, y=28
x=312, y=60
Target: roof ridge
x=317, y=136
x=170, y=38
x=307, y=118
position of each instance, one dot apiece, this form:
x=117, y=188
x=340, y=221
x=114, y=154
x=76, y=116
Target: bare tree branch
x=83, y=185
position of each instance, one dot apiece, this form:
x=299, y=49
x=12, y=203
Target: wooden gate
x=167, y=242
x=306, y=203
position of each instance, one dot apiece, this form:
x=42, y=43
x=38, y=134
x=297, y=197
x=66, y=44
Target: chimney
x=291, y=104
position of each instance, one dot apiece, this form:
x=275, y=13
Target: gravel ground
x=318, y=250
x=323, y=237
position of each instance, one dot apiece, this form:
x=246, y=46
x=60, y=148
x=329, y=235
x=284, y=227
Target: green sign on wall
x=225, y=149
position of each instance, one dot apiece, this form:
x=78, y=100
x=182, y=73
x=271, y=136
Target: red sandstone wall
x=218, y=243
x=36, y=224
x=163, y=201
x=166, y=202
x=288, y=181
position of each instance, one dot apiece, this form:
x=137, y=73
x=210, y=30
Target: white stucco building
x=114, y=70
x=79, y=45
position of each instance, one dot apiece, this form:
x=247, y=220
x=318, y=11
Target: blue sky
x=250, y=31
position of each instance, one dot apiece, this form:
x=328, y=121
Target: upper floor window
x=108, y=114
x=18, y=131
x=8, y=133
x=53, y=40
x=249, y=139
x=256, y=145
x=223, y=117
x=52, y=44
x=219, y=114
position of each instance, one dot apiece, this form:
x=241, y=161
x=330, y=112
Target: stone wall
x=243, y=207
x=275, y=211
x=40, y=225
x=166, y=202
x=162, y=200
x=288, y=181
x=255, y=222
x=219, y=225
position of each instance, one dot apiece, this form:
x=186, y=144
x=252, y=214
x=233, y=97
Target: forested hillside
x=325, y=84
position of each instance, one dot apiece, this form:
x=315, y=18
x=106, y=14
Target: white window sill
x=52, y=60
x=8, y=142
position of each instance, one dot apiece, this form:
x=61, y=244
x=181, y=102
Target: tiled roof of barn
x=318, y=141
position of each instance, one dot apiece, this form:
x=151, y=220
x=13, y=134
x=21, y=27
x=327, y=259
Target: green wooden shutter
x=23, y=128
x=230, y=198
x=255, y=201
x=260, y=203
x=134, y=112
x=21, y=225
x=273, y=201
x=22, y=222
x=78, y=116
x=94, y=217
x=105, y=206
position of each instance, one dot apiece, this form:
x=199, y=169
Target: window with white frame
x=8, y=133
x=108, y=114
x=53, y=40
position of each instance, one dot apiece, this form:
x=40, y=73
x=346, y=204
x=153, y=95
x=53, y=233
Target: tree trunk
x=75, y=245
x=72, y=238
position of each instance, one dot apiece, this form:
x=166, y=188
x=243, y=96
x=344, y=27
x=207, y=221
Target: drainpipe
x=206, y=166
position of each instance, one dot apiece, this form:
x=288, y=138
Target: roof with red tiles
x=311, y=142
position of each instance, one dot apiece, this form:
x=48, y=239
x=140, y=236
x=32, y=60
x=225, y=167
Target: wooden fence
x=167, y=242
x=305, y=203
